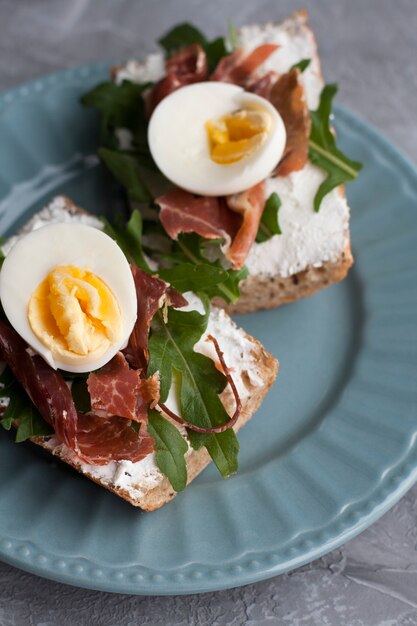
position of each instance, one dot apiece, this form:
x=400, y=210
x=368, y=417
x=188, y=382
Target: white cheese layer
x=138, y=478
x=296, y=42
x=308, y=239
x=55, y=212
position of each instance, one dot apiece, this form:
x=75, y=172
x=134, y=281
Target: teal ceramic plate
x=333, y=446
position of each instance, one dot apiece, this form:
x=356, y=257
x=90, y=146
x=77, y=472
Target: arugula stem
x=187, y=367
x=188, y=253
x=330, y=157
x=265, y=230
x=194, y=259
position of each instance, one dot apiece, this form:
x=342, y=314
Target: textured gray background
x=370, y=48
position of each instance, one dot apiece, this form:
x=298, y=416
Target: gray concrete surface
x=370, y=48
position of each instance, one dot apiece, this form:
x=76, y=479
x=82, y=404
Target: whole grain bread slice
x=266, y=290
x=149, y=499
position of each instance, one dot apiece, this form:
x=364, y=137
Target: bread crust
x=268, y=292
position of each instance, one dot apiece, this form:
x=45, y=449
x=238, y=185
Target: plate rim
x=24, y=555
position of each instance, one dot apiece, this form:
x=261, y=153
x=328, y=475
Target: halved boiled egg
x=67, y=289
x=216, y=139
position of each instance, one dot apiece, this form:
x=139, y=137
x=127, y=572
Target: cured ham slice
x=118, y=390
x=185, y=67
x=182, y=212
x=152, y=293
x=250, y=204
x=44, y=385
x=102, y=440
x=287, y=96
x=239, y=67
x=214, y=218
x=175, y=298
x=189, y=65
x=262, y=86
x=94, y=439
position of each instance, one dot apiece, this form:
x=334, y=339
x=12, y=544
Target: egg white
x=35, y=255
x=179, y=144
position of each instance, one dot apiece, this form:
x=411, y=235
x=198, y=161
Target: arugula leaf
x=186, y=34
x=191, y=270
x=171, y=349
x=116, y=102
x=269, y=225
x=301, y=65
x=31, y=422
x=215, y=50
x=7, y=420
x=190, y=277
x=232, y=35
x=129, y=238
x=121, y=106
x=323, y=151
x=170, y=448
x=189, y=248
x=181, y=36
x=229, y=290
x=21, y=411
x=80, y=394
x=128, y=171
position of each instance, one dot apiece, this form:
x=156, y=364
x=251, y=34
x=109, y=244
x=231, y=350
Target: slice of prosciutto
x=92, y=438
x=183, y=212
x=250, y=204
x=288, y=97
x=102, y=440
x=262, y=85
x=239, y=67
x=185, y=67
x=235, y=218
x=152, y=294
x=44, y=385
x=116, y=389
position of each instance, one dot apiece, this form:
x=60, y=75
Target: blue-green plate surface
x=334, y=444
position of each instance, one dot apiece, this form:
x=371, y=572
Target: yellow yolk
x=74, y=312
x=237, y=136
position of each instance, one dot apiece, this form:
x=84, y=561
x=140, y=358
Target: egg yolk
x=75, y=313
x=237, y=136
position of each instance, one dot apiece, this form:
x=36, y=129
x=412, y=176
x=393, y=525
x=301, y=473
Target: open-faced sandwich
x=113, y=370
x=226, y=147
